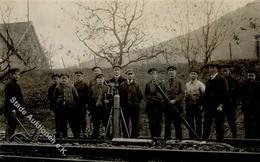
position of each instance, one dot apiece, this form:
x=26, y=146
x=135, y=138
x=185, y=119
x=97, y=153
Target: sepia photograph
x=130, y=80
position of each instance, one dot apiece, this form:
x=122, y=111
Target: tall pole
x=63, y=62
x=257, y=49
x=79, y=62
x=230, y=51
x=95, y=60
x=28, y=11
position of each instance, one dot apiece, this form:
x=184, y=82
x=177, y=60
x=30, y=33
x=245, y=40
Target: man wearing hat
x=55, y=79
x=98, y=102
x=95, y=70
x=175, y=90
x=130, y=98
x=83, y=91
x=250, y=95
x=230, y=105
x=117, y=78
x=66, y=96
x=194, y=93
x=214, y=98
x=12, y=90
x=154, y=103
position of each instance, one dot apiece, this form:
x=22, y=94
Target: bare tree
x=14, y=49
x=215, y=30
x=49, y=53
x=187, y=47
x=114, y=32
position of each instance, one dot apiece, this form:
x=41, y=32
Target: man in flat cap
x=214, y=98
x=194, y=94
x=175, y=90
x=55, y=79
x=250, y=95
x=231, y=104
x=95, y=70
x=130, y=98
x=83, y=91
x=13, y=92
x=154, y=103
x=98, y=102
x=66, y=97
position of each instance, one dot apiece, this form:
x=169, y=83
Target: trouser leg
x=168, y=124
x=83, y=122
x=190, y=119
x=219, y=120
x=10, y=127
x=155, y=119
x=126, y=113
x=135, y=122
x=96, y=123
x=207, y=125
x=248, y=122
x=198, y=120
x=58, y=125
x=177, y=124
x=231, y=119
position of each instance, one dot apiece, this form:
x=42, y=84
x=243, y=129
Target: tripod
x=114, y=118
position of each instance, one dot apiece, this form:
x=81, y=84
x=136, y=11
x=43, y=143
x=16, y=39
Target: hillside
x=241, y=36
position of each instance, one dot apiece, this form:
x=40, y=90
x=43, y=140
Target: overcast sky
x=53, y=22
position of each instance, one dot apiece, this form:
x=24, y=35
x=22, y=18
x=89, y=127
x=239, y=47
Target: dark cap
x=13, y=70
x=63, y=74
x=212, y=65
x=152, y=70
x=78, y=72
x=99, y=75
x=129, y=70
x=96, y=67
x=116, y=66
x=251, y=70
x=224, y=66
x=171, y=68
x=55, y=75
x=194, y=70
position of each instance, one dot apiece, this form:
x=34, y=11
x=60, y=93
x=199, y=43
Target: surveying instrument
x=115, y=113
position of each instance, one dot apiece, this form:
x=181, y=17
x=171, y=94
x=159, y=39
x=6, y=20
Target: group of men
x=218, y=99
x=70, y=103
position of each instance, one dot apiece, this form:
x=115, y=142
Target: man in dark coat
x=214, y=98
x=98, y=102
x=117, y=79
x=66, y=97
x=95, y=70
x=154, y=103
x=83, y=91
x=130, y=98
x=250, y=94
x=230, y=105
x=55, y=78
x=175, y=90
x=12, y=90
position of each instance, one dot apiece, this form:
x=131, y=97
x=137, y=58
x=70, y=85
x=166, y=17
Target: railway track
x=47, y=152
x=239, y=143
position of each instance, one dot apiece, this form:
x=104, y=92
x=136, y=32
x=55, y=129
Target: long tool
x=177, y=111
